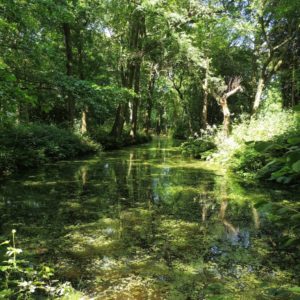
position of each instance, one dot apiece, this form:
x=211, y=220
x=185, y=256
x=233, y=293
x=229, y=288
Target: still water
x=146, y=223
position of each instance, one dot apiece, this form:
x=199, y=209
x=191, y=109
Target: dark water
x=145, y=223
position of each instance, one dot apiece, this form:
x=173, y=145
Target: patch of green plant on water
x=20, y=279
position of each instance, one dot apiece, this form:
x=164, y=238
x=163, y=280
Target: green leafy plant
x=20, y=279
x=29, y=146
x=200, y=146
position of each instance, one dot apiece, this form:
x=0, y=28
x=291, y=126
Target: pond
x=146, y=223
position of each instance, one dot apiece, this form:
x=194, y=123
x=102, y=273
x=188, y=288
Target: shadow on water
x=144, y=223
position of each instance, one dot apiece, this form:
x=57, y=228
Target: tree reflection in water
x=144, y=223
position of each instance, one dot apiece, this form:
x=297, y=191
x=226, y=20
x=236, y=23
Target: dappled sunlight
x=150, y=225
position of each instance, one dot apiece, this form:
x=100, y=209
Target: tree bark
x=131, y=76
x=69, y=68
x=258, y=94
x=119, y=121
x=203, y=117
x=151, y=86
x=232, y=88
x=135, y=103
x=226, y=116
x=84, y=112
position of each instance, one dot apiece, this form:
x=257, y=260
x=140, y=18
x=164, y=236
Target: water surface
x=146, y=223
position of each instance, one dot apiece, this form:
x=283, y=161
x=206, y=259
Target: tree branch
x=234, y=91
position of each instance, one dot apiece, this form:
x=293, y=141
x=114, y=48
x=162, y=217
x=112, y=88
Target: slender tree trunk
x=137, y=29
x=203, y=117
x=226, y=116
x=293, y=102
x=151, y=86
x=204, y=110
x=117, y=128
x=84, y=112
x=83, y=128
x=159, y=123
x=148, y=116
x=69, y=67
x=135, y=103
x=258, y=94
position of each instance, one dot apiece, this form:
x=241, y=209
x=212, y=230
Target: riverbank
x=265, y=148
x=23, y=147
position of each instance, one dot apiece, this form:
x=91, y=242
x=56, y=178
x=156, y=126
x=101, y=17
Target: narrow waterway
x=146, y=223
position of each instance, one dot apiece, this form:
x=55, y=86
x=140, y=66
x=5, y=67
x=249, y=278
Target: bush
x=266, y=147
x=197, y=148
x=110, y=142
x=201, y=146
x=20, y=279
x=29, y=146
x=275, y=158
x=181, y=130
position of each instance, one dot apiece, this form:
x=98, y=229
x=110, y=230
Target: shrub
x=32, y=145
x=200, y=146
x=275, y=158
x=110, y=142
x=197, y=148
x=266, y=146
x=181, y=130
x=20, y=279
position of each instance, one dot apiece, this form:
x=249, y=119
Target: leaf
x=293, y=156
x=4, y=268
x=261, y=203
x=296, y=166
x=296, y=217
x=291, y=242
x=295, y=289
x=4, y=243
x=297, y=108
x=262, y=146
x=294, y=140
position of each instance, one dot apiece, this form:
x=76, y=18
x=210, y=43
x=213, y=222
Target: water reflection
x=143, y=223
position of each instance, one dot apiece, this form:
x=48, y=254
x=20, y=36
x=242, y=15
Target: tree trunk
x=226, y=116
x=148, y=116
x=83, y=128
x=203, y=117
x=131, y=74
x=117, y=128
x=135, y=103
x=69, y=65
x=151, y=86
x=204, y=110
x=258, y=94
x=84, y=112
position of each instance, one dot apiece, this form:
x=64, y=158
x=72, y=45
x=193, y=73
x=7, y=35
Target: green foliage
x=20, y=279
x=276, y=158
x=198, y=148
x=109, y=142
x=201, y=147
x=27, y=146
x=181, y=130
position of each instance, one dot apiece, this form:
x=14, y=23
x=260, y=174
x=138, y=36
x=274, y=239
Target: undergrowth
x=109, y=142
x=265, y=147
x=29, y=146
x=21, y=279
